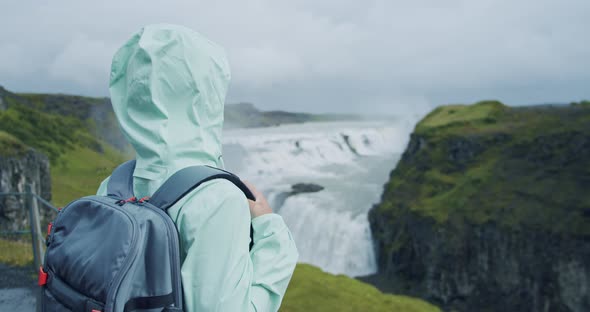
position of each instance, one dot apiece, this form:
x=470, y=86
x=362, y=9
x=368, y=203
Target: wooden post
x=36, y=238
x=36, y=234
x=40, y=234
x=29, y=204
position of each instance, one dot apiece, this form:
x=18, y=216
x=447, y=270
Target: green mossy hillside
x=80, y=172
x=95, y=113
x=51, y=134
x=79, y=160
x=311, y=289
x=10, y=146
x=487, y=162
x=453, y=116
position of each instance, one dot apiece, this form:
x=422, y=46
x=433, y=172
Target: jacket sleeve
x=219, y=272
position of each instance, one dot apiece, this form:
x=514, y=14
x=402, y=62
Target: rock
x=472, y=267
x=417, y=144
x=463, y=150
x=346, y=139
x=298, y=188
x=15, y=172
x=305, y=188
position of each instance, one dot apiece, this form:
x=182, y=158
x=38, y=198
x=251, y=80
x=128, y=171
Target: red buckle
x=94, y=310
x=42, y=277
x=49, y=226
x=144, y=199
x=132, y=199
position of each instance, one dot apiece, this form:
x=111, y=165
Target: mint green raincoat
x=168, y=85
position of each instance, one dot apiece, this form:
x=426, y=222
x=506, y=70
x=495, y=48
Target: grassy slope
x=80, y=172
x=313, y=290
x=10, y=146
x=78, y=159
x=79, y=162
x=491, y=163
x=21, y=253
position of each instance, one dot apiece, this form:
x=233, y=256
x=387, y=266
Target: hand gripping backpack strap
x=185, y=180
x=120, y=184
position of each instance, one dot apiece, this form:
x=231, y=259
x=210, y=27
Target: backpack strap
x=177, y=186
x=120, y=184
x=185, y=180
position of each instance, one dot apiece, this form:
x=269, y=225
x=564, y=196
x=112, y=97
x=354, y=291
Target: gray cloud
x=339, y=56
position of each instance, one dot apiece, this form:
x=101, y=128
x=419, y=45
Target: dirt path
x=17, y=299
x=17, y=287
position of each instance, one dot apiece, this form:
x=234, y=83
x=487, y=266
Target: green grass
x=314, y=290
x=80, y=171
x=491, y=163
x=10, y=146
x=16, y=253
x=79, y=160
x=482, y=112
x=49, y=133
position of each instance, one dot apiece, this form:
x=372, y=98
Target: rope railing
x=37, y=238
x=46, y=203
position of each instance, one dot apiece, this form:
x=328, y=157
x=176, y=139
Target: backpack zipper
x=175, y=261
x=116, y=282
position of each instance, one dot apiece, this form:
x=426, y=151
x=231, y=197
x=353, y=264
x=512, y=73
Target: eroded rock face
x=15, y=172
x=483, y=267
x=493, y=219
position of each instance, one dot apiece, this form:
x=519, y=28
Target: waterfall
x=350, y=160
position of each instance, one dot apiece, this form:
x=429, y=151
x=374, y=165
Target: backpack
x=117, y=253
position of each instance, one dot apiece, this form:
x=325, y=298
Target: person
x=168, y=85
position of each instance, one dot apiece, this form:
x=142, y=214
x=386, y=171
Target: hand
x=260, y=206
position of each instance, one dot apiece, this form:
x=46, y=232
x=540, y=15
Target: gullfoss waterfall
x=322, y=178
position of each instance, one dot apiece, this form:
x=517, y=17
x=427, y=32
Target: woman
x=168, y=86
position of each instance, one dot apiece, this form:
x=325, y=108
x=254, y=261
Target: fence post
x=29, y=205
x=35, y=223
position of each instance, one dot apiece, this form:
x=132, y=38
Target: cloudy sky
x=322, y=56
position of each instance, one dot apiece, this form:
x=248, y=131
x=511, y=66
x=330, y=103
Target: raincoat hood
x=168, y=85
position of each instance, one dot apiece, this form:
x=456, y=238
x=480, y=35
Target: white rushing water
x=351, y=160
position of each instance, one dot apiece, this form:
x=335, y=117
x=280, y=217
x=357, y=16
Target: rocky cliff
x=489, y=210
x=19, y=166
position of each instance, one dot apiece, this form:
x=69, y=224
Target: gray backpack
x=117, y=253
